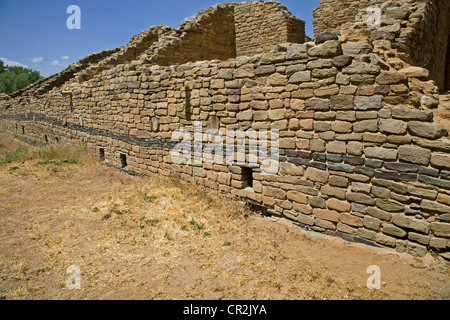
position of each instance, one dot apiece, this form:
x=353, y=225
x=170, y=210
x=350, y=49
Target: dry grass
x=161, y=238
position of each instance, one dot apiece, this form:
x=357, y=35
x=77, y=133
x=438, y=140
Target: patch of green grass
x=149, y=222
x=13, y=168
x=19, y=155
x=146, y=197
x=196, y=225
x=167, y=236
x=207, y=234
x=95, y=209
x=106, y=216
x=227, y=244
x=58, y=162
x=117, y=211
x=184, y=228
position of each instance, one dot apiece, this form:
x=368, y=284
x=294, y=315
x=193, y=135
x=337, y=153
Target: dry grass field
x=160, y=238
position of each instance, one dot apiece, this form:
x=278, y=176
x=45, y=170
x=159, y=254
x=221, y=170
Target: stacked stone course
x=360, y=154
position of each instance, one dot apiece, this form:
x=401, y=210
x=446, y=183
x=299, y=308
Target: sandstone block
x=381, y=153
x=414, y=154
x=341, y=206
x=356, y=48
x=441, y=229
x=316, y=175
x=429, y=130
x=441, y=161
x=393, y=126
x=327, y=49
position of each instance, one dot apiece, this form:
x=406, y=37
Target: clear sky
x=35, y=34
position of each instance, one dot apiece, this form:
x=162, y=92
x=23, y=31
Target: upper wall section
x=207, y=36
x=261, y=26
x=332, y=14
x=419, y=28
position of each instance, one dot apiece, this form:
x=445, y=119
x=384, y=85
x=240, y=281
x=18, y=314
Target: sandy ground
x=158, y=238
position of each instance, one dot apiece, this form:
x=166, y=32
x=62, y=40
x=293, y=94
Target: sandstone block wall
x=261, y=26
x=360, y=155
x=419, y=28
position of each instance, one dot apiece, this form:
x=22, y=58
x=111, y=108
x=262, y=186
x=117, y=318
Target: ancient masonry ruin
x=361, y=155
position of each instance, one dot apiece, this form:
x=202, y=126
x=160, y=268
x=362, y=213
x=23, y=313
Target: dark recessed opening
x=101, y=154
x=23, y=130
x=247, y=177
x=123, y=160
x=45, y=139
x=187, y=106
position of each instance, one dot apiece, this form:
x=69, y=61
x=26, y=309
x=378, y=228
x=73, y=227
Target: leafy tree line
x=16, y=78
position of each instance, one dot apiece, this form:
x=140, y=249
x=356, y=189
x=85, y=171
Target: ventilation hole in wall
x=123, y=160
x=23, y=129
x=101, y=154
x=187, y=105
x=247, y=177
x=57, y=140
x=45, y=139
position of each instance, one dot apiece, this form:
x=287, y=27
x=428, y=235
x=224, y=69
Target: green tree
x=16, y=78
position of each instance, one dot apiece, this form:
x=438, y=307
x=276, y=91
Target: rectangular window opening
x=123, y=160
x=247, y=177
x=101, y=154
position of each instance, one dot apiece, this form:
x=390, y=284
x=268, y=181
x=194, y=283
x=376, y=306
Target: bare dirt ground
x=159, y=238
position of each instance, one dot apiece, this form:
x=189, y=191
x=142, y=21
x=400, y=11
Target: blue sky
x=35, y=35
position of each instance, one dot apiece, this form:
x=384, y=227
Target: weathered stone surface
x=246, y=71
x=432, y=206
x=440, y=229
x=327, y=49
x=305, y=219
x=368, y=103
x=278, y=79
x=297, y=197
x=414, y=154
x=356, y=48
x=358, y=67
x=394, y=231
x=411, y=114
x=441, y=161
x=324, y=224
x=342, y=61
x=381, y=153
x=341, y=206
x=385, y=240
x=316, y=175
x=390, y=205
x=378, y=213
x=411, y=223
x=393, y=126
x=372, y=223
x=433, y=130
x=351, y=220
x=301, y=76
x=317, y=104
x=360, y=198
x=328, y=215
x=387, y=77
x=415, y=72
x=321, y=38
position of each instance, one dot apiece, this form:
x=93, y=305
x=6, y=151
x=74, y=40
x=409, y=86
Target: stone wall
x=359, y=153
x=419, y=28
x=261, y=26
x=332, y=14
